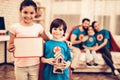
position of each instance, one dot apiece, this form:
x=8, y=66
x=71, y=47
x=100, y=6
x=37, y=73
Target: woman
x=103, y=40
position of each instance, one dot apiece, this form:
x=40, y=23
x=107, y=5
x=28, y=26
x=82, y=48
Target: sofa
x=102, y=67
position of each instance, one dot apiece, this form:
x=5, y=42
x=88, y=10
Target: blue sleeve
x=46, y=51
x=44, y=55
x=75, y=31
x=69, y=57
x=107, y=35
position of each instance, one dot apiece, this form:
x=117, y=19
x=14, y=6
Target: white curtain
x=107, y=12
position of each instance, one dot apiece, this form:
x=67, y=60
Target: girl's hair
x=93, y=23
x=57, y=23
x=28, y=3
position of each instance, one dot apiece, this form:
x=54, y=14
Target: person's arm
x=103, y=44
x=85, y=47
x=107, y=37
x=11, y=47
x=69, y=44
x=85, y=38
x=48, y=61
x=44, y=36
x=67, y=64
x=73, y=39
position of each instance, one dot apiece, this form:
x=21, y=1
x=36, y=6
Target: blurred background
x=107, y=12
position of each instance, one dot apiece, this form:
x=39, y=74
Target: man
x=79, y=32
x=76, y=38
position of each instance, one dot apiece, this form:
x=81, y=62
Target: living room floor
x=7, y=73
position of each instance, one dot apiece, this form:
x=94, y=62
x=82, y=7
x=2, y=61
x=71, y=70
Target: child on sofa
x=88, y=44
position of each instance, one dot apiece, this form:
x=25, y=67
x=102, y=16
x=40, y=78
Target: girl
x=57, y=57
x=26, y=68
x=89, y=42
x=103, y=39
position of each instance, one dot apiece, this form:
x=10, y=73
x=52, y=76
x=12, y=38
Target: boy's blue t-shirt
x=101, y=36
x=78, y=33
x=91, y=41
x=49, y=53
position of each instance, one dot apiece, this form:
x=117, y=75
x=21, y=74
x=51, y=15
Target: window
x=117, y=27
x=104, y=21
x=70, y=19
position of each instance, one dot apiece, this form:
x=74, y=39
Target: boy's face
x=57, y=33
x=91, y=31
x=27, y=14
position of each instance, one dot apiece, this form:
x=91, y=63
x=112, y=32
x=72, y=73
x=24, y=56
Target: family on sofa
x=83, y=39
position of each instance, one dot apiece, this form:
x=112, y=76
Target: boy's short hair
x=85, y=19
x=57, y=23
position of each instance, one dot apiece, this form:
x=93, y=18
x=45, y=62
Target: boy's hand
x=69, y=44
x=51, y=61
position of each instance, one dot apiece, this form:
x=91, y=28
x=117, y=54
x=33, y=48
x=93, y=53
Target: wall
x=9, y=9
x=83, y=8
x=105, y=11
x=1, y=52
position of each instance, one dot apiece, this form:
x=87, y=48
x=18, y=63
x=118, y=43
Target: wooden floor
x=7, y=73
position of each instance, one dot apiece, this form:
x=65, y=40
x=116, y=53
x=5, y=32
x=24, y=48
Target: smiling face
x=86, y=24
x=97, y=26
x=57, y=32
x=90, y=31
x=27, y=14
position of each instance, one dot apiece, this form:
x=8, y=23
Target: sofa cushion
x=102, y=67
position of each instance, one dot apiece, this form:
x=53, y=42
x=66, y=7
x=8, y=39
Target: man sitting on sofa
x=76, y=38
